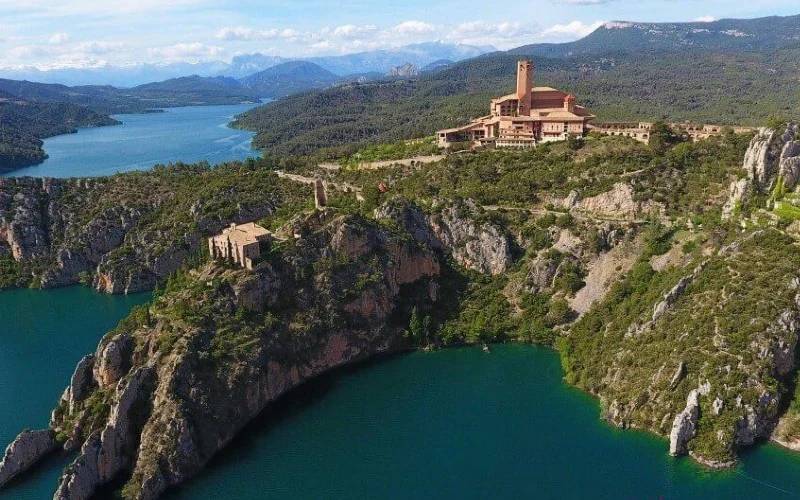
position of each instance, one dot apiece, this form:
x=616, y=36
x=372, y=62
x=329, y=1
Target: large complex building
x=525, y=118
x=239, y=243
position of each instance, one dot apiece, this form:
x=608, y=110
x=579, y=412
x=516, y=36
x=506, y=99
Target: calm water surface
x=189, y=134
x=450, y=424
x=43, y=335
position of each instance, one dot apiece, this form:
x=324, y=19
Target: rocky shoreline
x=665, y=346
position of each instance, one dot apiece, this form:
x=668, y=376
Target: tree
x=372, y=197
x=416, y=327
x=663, y=137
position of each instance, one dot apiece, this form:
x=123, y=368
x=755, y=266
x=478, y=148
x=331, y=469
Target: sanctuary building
x=239, y=243
x=525, y=118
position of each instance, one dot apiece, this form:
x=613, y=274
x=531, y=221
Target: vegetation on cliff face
x=183, y=375
x=129, y=232
x=679, y=316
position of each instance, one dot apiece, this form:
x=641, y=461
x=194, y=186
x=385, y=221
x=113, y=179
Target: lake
x=450, y=424
x=43, y=335
x=188, y=134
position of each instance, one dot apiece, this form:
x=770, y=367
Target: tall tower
x=524, y=85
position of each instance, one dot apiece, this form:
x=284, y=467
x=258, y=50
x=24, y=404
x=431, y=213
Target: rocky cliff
x=175, y=382
x=454, y=229
x=126, y=233
x=772, y=161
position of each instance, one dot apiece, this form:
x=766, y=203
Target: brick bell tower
x=524, y=86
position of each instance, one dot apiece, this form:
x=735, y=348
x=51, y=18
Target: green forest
x=703, y=86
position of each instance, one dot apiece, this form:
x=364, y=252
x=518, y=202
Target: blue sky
x=59, y=33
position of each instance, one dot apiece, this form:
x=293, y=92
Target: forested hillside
x=31, y=111
x=288, y=78
x=740, y=88
x=23, y=124
x=725, y=36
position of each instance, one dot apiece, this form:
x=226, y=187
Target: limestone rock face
x=757, y=422
x=113, y=360
x=738, y=193
x=678, y=376
x=23, y=225
x=82, y=382
x=541, y=273
x=760, y=160
x=618, y=203
x=668, y=302
x=684, y=427
x=480, y=247
x=790, y=162
x=411, y=218
x=175, y=398
x=27, y=449
x=255, y=294
x=106, y=454
x=63, y=225
x=771, y=154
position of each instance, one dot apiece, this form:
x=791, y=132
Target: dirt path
x=302, y=179
x=374, y=165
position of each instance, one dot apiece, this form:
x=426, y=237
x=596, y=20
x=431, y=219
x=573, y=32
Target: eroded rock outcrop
x=106, y=454
x=684, y=427
x=772, y=155
x=619, y=203
x=482, y=247
x=180, y=386
x=27, y=449
x=121, y=234
x=668, y=302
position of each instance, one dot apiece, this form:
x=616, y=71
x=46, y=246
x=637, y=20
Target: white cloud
x=573, y=30
x=98, y=48
x=234, y=33
x=507, y=34
x=705, y=19
x=28, y=52
x=414, y=27
x=243, y=33
x=186, y=50
x=353, y=31
x=58, y=38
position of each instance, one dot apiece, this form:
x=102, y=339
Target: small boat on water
x=486, y=348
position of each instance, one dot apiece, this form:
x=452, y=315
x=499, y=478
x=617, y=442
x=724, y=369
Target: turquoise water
x=43, y=335
x=464, y=424
x=449, y=424
x=189, y=134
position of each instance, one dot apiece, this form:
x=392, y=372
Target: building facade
x=240, y=244
x=525, y=118
x=640, y=131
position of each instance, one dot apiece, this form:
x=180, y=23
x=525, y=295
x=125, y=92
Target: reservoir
x=454, y=424
x=188, y=134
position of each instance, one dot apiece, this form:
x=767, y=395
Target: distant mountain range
x=723, y=36
x=376, y=61
x=729, y=72
x=287, y=78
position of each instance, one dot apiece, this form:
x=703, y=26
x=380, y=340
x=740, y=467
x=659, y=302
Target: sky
x=51, y=34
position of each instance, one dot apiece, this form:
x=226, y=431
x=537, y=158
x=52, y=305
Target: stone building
x=241, y=243
x=525, y=118
x=640, y=131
